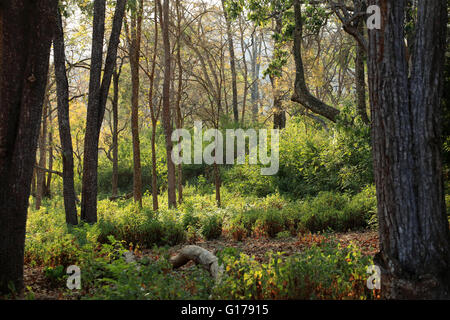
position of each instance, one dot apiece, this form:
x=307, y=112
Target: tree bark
x=301, y=93
x=178, y=102
x=135, y=48
x=166, y=112
x=24, y=60
x=405, y=105
x=62, y=88
x=98, y=94
x=40, y=180
x=232, y=63
x=279, y=115
x=115, y=133
x=360, y=78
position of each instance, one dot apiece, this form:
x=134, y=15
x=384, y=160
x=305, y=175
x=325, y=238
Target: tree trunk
x=360, y=78
x=279, y=115
x=24, y=60
x=98, y=94
x=178, y=104
x=256, y=65
x=232, y=63
x=48, y=182
x=62, y=88
x=115, y=134
x=301, y=93
x=166, y=112
x=154, y=113
x=135, y=48
x=414, y=233
x=40, y=180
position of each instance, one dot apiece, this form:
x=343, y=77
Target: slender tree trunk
x=166, y=112
x=62, y=88
x=115, y=134
x=178, y=104
x=98, y=93
x=360, y=78
x=40, y=180
x=279, y=114
x=232, y=63
x=257, y=45
x=24, y=60
x=244, y=61
x=414, y=233
x=48, y=182
x=135, y=48
x=154, y=113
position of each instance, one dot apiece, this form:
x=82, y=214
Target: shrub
x=328, y=271
x=211, y=227
x=269, y=224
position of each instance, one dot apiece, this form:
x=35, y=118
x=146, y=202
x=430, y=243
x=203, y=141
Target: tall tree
x=166, y=112
x=406, y=134
x=62, y=88
x=98, y=93
x=42, y=142
x=134, y=44
x=232, y=62
x=24, y=60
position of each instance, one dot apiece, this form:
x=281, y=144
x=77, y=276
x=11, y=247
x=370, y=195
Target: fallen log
x=200, y=256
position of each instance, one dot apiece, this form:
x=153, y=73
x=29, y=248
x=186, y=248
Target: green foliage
x=150, y=278
x=55, y=275
x=211, y=227
x=327, y=271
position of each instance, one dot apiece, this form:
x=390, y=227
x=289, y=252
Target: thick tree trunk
x=405, y=105
x=98, y=94
x=62, y=88
x=166, y=112
x=25, y=39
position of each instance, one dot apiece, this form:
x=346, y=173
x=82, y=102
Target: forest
x=224, y=150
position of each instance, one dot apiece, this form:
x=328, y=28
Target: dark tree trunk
x=405, y=105
x=301, y=92
x=279, y=114
x=25, y=39
x=98, y=93
x=135, y=48
x=40, y=180
x=48, y=181
x=178, y=103
x=115, y=134
x=166, y=112
x=360, y=78
x=62, y=88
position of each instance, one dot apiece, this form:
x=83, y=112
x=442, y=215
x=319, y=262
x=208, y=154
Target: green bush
x=150, y=278
x=211, y=227
x=328, y=271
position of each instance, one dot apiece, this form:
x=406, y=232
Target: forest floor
x=38, y=287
